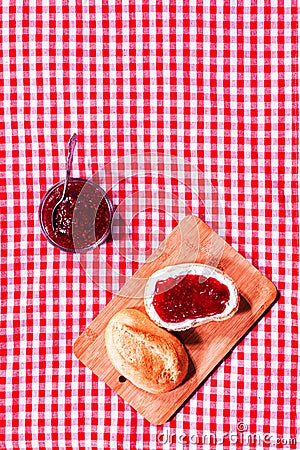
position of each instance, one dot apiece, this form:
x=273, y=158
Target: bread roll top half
x=145, y=354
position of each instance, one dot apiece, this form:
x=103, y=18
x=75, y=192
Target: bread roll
x=148, y=356
x=186, y=322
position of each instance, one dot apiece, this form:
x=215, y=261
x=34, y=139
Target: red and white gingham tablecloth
x=180, y=107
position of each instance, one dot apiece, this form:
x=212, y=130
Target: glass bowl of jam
x=82, y=220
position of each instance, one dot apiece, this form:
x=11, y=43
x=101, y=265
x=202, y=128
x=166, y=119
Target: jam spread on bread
x=189, y=297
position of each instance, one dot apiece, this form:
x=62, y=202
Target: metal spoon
x=72, y=145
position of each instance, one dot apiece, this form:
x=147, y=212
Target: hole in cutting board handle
x=122, y=379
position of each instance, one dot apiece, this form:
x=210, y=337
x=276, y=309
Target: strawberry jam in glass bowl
x=83, y=218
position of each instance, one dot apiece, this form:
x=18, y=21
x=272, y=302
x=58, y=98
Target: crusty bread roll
x=148, y=356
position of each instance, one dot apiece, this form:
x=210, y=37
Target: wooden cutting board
x=207, y=345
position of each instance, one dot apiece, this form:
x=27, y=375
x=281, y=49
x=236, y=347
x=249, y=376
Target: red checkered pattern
x=179, y=106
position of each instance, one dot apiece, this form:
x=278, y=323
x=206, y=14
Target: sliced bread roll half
x=187, y=295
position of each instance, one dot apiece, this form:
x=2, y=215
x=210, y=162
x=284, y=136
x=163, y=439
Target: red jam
x=189, y=297
x=82, y=219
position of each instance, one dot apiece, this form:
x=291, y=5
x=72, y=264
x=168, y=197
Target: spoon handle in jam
x=72, y=145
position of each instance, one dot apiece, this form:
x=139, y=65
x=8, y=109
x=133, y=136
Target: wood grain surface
x=207, y=345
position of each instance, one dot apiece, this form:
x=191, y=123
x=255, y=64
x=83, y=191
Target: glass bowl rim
x=96, y=243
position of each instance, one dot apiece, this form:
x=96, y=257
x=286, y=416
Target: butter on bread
x=148, y=356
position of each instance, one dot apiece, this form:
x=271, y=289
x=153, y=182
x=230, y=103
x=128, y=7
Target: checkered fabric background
x=180, y=103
